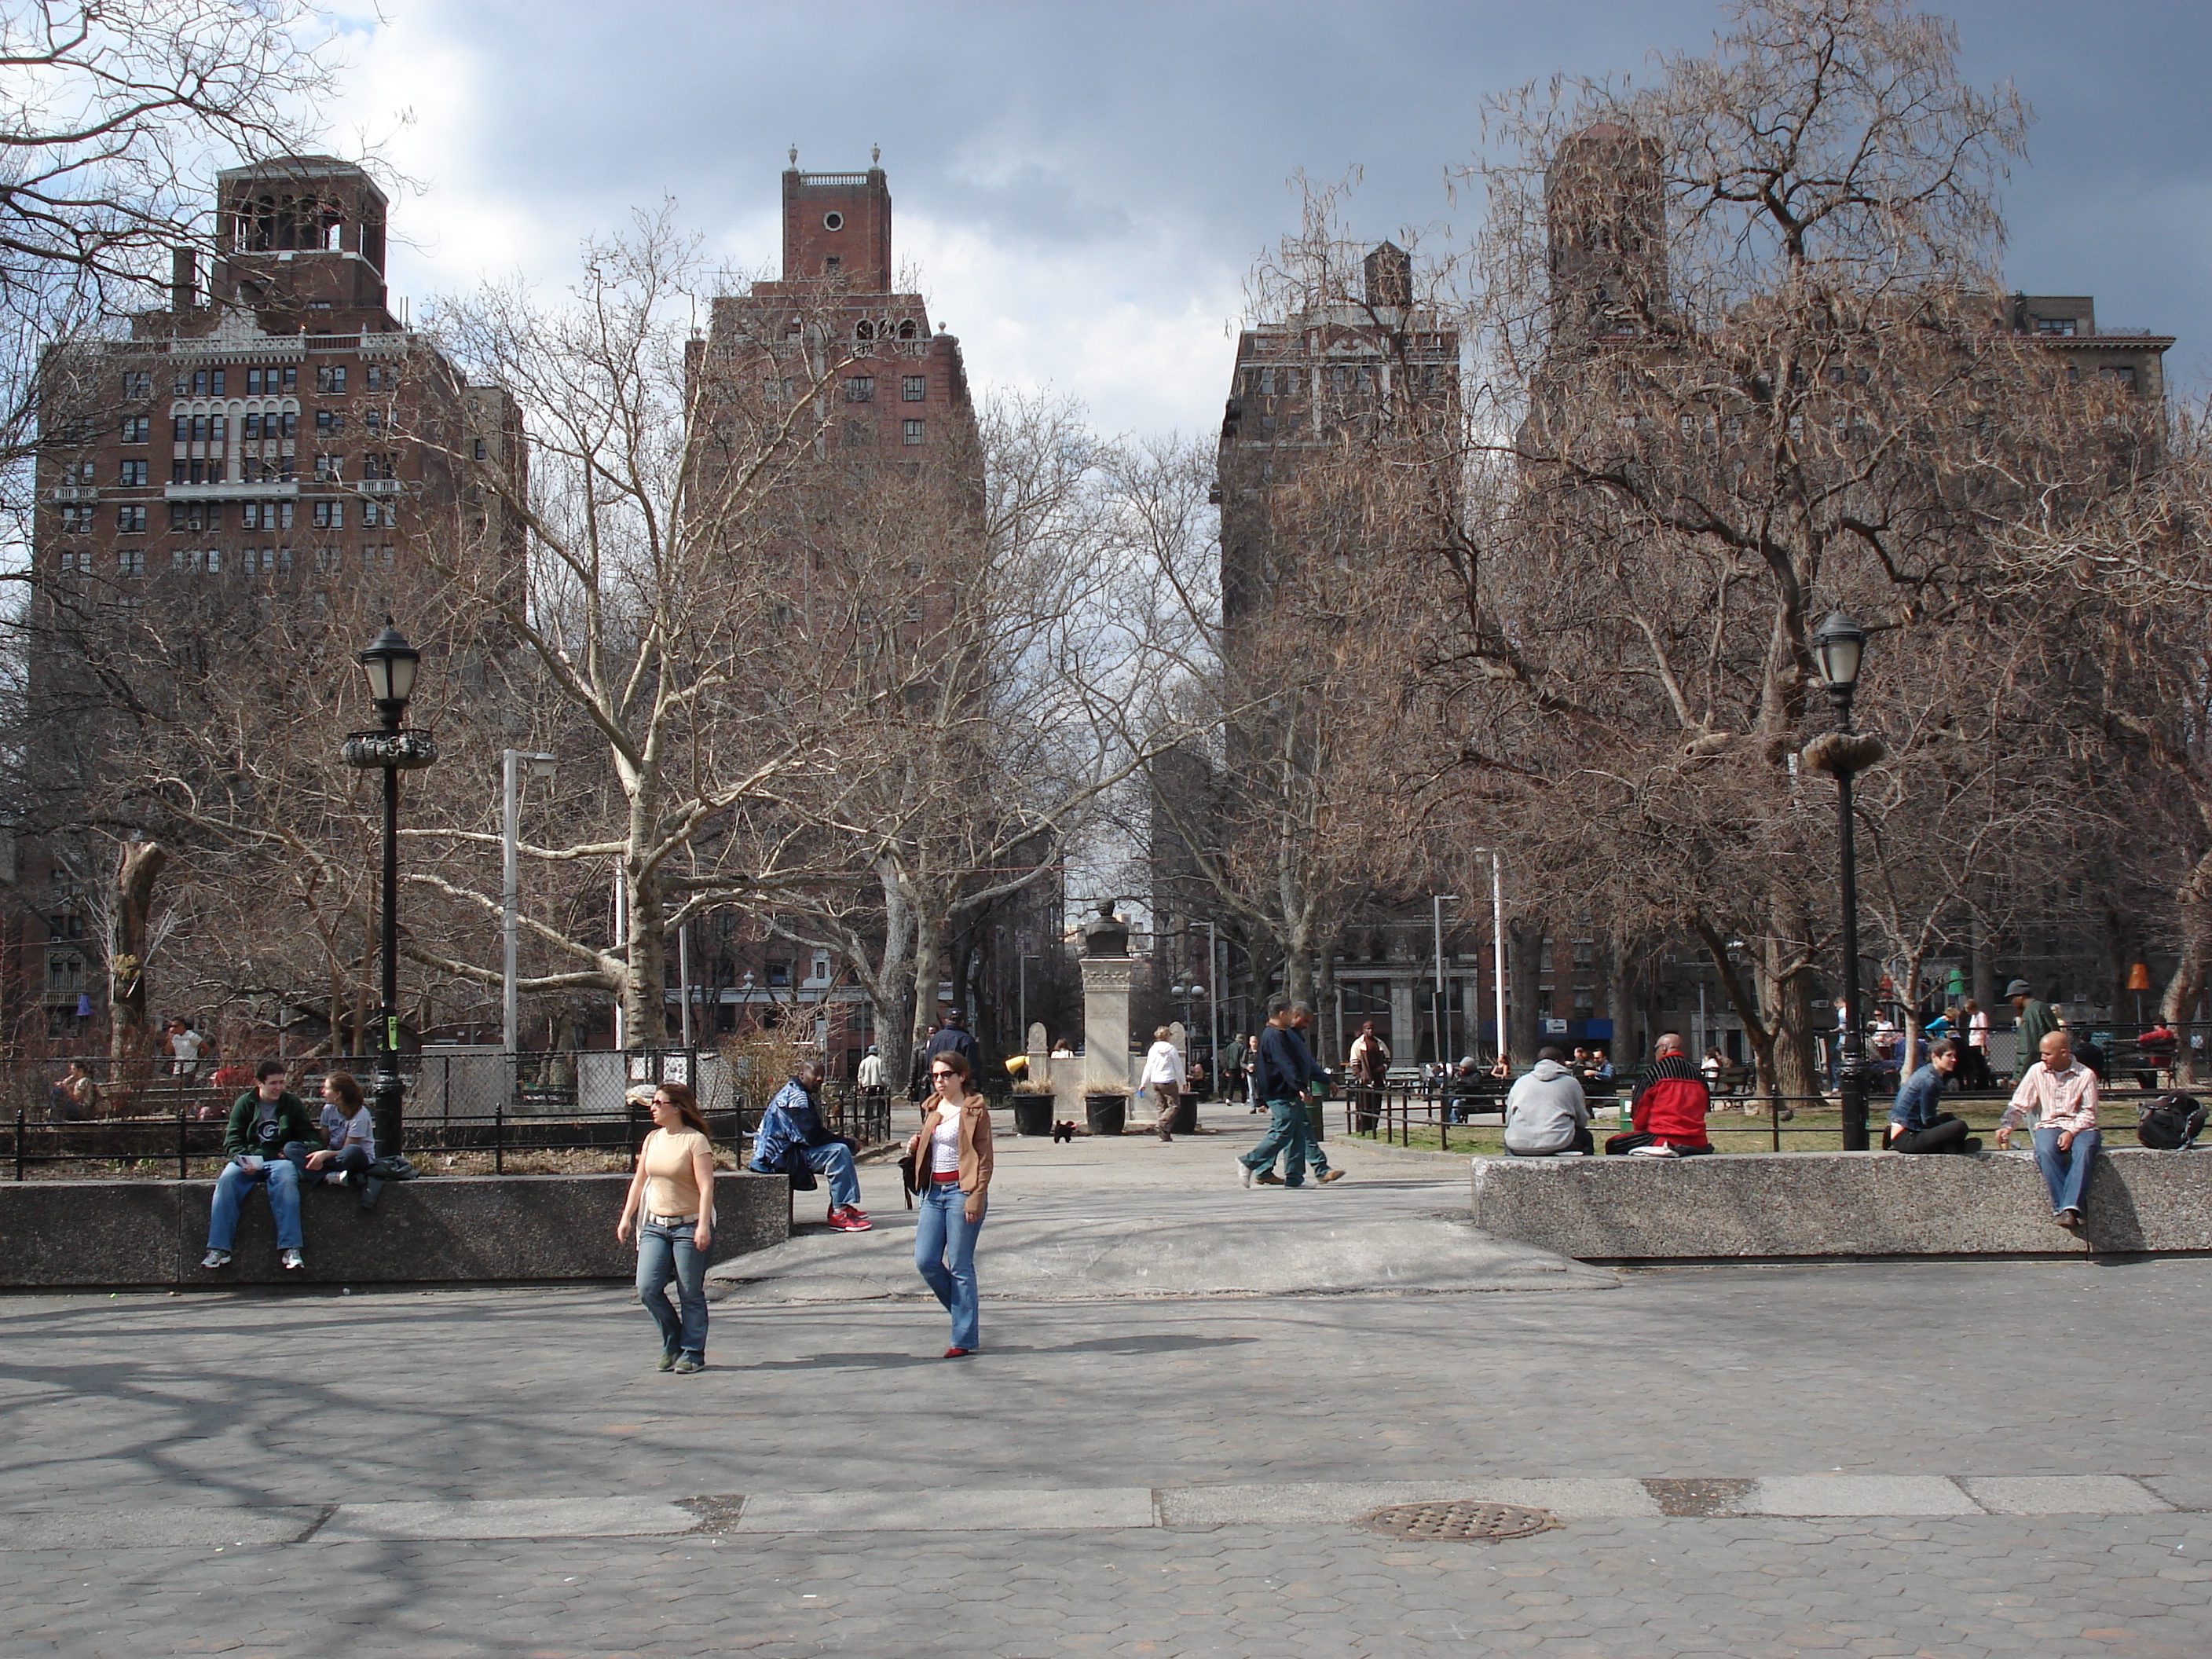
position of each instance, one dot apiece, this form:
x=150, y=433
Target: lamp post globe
x=390, y=663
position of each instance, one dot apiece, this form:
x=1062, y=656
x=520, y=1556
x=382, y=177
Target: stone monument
x=1106, y=975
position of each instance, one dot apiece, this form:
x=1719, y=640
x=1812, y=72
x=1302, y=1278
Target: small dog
x=1064, y=1131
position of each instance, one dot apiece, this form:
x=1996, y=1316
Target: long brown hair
x=348, y=1089
x=687, y=1106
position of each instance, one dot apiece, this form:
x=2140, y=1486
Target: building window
x=197, y=561
x=265, y=515
x=270, y=381
x=328, y=420
x=130, y=519
x=330, y=515
x=857, y=435
x=76, y=521
x=2123, y=374
x=201, y=383
x=195, y=515
x=383, y=465
x=915, y=388
x=137, y=383
x=131, y=562
x=383, y=377
x=371, y=557
x=132, y=474
x=860, y=389
x=74, y=563
x=373, y=420
x=779, y=972
x=136, y=430
x=386, y=513
x=910, y=431
x=329, y=469
x=480, y=449
x=330, y=376
x=330, y=560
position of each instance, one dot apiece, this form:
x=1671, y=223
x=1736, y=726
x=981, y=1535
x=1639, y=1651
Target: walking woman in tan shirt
x=952, y=1166
x=671, y=1204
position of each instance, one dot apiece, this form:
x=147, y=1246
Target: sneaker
x=1327, y=1176
x=2066, y=1218
x=336, y=1178
x=1243, y=1173
x=851, y=1222
x=214, y=1259
x=291, y=1260
x=687, y=1365
x=668, y=1362
x=1268, y=1178
x=956, y=1353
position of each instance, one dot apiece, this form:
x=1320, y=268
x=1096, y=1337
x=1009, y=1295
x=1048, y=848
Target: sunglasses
x=944, y=1074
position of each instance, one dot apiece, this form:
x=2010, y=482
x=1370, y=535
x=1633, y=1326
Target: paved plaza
x=1930, y=1458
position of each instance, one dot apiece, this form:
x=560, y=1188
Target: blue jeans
x=2067, y=1173
x=836, y=1161
x=1287, y=1135
x=663, y=1253
x=944, y=1256
x=230, y=1190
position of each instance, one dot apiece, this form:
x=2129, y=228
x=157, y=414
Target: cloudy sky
x=1083, y=188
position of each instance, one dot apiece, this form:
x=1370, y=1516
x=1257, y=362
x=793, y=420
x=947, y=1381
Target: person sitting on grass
x=1669, y=1111
x=1547, y=1113
x=791, y=1141
x=2061, y=1094
x=1914, y=1125
x=267, y=1119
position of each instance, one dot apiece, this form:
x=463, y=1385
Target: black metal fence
x=455, y=1104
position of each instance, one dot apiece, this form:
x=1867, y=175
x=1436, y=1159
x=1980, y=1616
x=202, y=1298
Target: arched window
x=907, y=329
x=864, y=331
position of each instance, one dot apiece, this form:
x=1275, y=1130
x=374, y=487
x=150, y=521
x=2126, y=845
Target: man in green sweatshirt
x=266, y=1120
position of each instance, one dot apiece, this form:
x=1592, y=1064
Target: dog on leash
x=1064, y=1131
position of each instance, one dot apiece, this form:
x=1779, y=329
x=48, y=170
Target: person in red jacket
x=1669, y=1107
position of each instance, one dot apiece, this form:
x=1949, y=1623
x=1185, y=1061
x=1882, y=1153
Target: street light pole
x=1443, y=1008
x=390, y=663
x=1214, y=1006
x=511, y=765
x=1843, y=753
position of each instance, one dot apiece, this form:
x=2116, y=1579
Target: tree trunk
x=2193, y=905
x=1524, y=970
x=645, y=982
x=134, y=873
x=1792, y=1068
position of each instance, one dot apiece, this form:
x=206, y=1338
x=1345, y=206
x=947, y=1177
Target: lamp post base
x=387, y=1110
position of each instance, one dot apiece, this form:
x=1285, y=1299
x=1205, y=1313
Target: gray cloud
x=1142, y=149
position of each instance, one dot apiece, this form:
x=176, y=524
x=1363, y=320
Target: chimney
x=184, y=279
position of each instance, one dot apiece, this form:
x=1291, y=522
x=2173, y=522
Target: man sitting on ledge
x=267, y=1119
x=791, y=1141
x=1546, y=1114
x=2062, y=1092
x=1669, y=1107
x=1914, y=1125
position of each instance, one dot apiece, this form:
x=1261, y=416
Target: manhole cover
x=1465, y=1522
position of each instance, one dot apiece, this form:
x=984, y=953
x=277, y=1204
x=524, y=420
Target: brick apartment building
x=834, y=351
x=274, y=436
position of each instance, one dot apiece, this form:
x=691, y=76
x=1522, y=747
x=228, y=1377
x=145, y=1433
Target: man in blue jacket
x=1282, y=1070
x=791, y=1141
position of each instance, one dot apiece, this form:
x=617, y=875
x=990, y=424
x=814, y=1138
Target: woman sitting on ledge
x=1914, y=1125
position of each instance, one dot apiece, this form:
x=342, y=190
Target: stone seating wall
x=441, y=1230
x=1770, y=1205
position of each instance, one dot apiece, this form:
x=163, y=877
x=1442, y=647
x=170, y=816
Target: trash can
x=1185, y=1120
x=1108, y=1114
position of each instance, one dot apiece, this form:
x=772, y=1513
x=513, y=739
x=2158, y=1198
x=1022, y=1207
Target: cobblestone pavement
x=297, y=1418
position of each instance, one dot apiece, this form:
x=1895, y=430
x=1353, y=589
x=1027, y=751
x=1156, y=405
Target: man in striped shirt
x=2062, y=1093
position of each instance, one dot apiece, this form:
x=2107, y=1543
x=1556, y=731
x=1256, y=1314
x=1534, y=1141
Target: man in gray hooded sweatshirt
x=1545, y=1114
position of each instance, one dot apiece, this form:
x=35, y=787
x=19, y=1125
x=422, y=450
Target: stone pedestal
x=1106, y=981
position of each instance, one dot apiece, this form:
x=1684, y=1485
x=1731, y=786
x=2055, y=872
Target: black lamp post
x=1840, y=645
x=390, y=663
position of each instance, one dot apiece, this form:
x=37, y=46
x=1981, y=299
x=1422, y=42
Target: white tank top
x=945, y=1143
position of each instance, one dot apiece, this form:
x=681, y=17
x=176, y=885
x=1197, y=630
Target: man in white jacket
x=1545, y=1114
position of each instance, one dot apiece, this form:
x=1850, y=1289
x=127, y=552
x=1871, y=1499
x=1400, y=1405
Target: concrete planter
x=1108, y=1114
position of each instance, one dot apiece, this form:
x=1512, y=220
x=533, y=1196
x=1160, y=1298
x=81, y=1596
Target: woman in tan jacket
x=952, y=1167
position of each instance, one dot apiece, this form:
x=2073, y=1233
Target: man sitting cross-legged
x=1669, y=1107
x=1914, y=1125
x=791, y=1141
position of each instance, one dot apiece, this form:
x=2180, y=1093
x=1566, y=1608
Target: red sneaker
x=852, y=1222
x=956, y=1353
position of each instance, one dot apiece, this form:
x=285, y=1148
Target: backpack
x=2170, y=1123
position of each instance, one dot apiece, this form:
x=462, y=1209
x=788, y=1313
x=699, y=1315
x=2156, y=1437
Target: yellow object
x=1017, y=1064
x=2139, y=977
